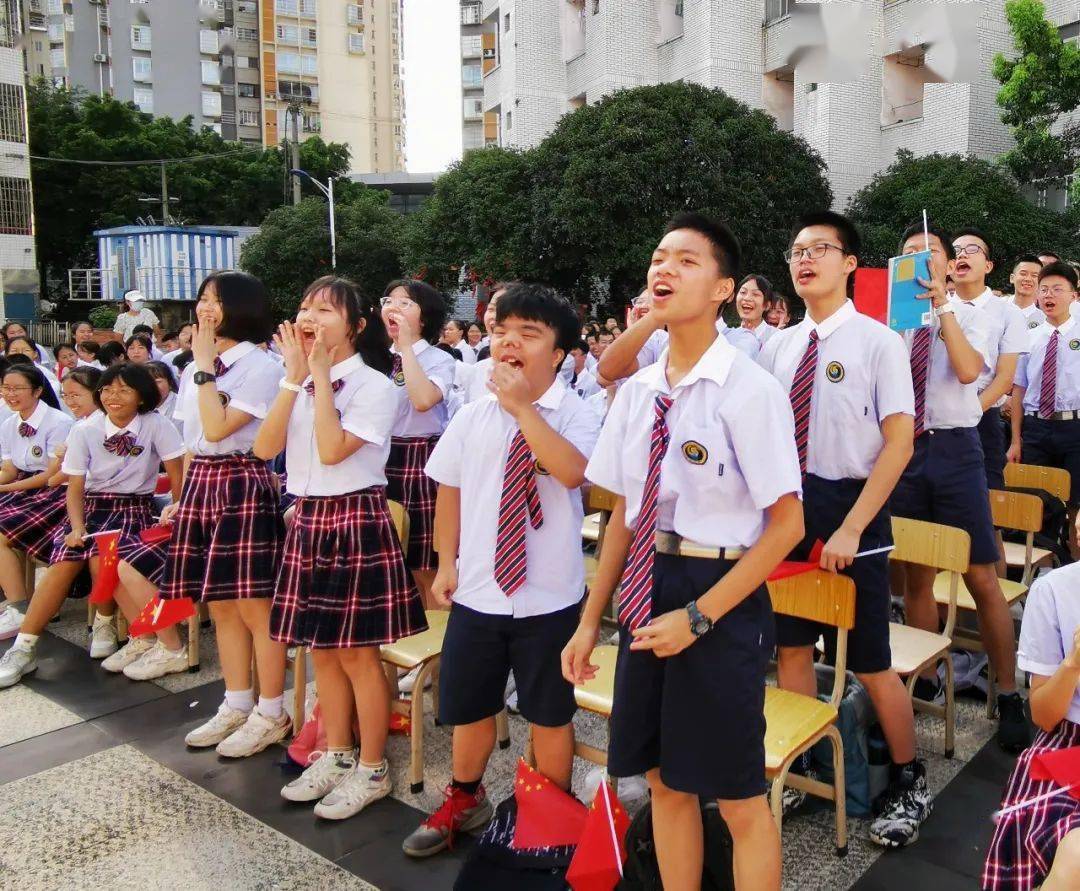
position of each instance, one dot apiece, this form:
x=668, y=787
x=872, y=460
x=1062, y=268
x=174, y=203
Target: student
x=111, y=353
x=169, y=343
x=413, y=313
x=474, y=380
x=87, y=352
x=138, y=348
x=21, y=345
x=856, y=420
x=475, y=335
x=779, y=314
x=1025, y=282
x=77, y=392
x=343, y=590
x=582, y=382
x=453, y=335
x=183, y=342
x=689, y=470
x=152, y=335
x=111, y=464
x=945, y=482
x=509, y=468
x=83, y=332
x=593, y=341
x=753, y=300
x=66, y=359
x=30, y=511
x=227, y=530
x=12, y=330
x=166, y=384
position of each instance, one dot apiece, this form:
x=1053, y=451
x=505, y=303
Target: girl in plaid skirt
x=343, y=589
x=1037, y=835
x=414, y=314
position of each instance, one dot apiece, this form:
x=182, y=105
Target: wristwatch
x=699, y=623
x=944, y=309
x=203, y=377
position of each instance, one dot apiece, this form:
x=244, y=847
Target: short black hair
x=763, y=285
x=136, y=377
x=539, y=303
x=36, y=379
x=63, y=346
x=1064, y=270
x=91, y=346
x=182, y=360
x=431, y=302
x=80, y=323
x=160, y=371
x=606, y=333
x=111, y=352
x=24, y=337
x=453, y=352
x=726, y=247
x=581, y=345
x=140, y=338
x=1027, y=258
x=975, y=232
x=246, y=313
x=932, y=228
x=143, y=329
x=85, y=375
x=846, y=232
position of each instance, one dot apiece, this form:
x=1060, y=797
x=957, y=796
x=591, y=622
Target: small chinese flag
x=547, y=817
x=787, y=568
x=108, y=546
x=400, y=724
x=601, y=851
x=155, y=534
x=1062, y=766
x=159, y=614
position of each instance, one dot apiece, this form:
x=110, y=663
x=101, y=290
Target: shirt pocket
x=704, y=455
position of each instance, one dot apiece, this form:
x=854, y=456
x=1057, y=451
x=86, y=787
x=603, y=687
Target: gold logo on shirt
x=399, y=378
x=540, y=468
x=136, y=451
x=834, y=371
x=37, y=451
x=695, y=452
x=1074, y=344
x=224, y=397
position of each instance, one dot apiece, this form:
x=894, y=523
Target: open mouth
x=747, y=306
x=805, y=276
x=512, y=361
x=962, y=266
x=662, y=290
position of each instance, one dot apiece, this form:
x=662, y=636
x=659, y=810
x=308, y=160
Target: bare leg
x=269, y=654
x=423, y=579
x=795, y=670
x=893, y=708
x=473, y=745
x=678, y=835
x=51, y=592
x=553, y=748
x=1065, y=870
x=995, y=623
x=12, y=578
x=234, y=644
x=920, y=608
x=335, y=698
x=368, y=682
x=755, y=843
x=134, y=593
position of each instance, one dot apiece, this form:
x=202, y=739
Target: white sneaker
x=10, y=622
x=16, y=662
x=103, y=640
x=257, y=732
x=224, y=723
x=407, y=682
x=321, y=777
x=128, y=653
x=157, y=662
x=354, y=793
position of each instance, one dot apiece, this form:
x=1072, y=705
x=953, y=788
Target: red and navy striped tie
x=25, y=430
x=802, y=395
x=220, y=367
x=519, y=496
x=1048, y=391
x=920, y=371
x=120, y=444
x=395, y=369
x=635, y=597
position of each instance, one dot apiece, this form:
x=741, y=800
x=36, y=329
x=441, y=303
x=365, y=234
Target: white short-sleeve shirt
x=1029, y=370
x=1010, y=334
x=1032, y=314
x=863, y=377
x=126, y=323
x=439, y=368
x=368, y=404
x=1051, y=617
x=475, y=386
x=156, y=440
x=742, y=339
x=250, y=384
x=471, y=456
x=584, y=383
x=732, y=451
x=31, y=454
x=764, y=332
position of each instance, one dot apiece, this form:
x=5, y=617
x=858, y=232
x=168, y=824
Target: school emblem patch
x=834, y=371
x=695, y=452
x=540, y=468
x=224, y=397
x=136, y=451
x=1033, y=324
x=399, y=378
x=37, y=451
x=1074, y=344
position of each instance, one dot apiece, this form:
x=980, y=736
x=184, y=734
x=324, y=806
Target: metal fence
x=47, y=334
x=156, y=282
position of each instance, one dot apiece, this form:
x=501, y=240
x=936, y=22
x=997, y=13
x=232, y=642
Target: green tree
x=956, y=191
x=292, y=247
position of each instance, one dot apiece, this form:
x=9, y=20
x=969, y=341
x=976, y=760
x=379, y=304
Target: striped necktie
x=802, y=395
x=120, y=444
x=1048, y=391
x=25, y=430
x=920, y=371
x=395, y=370
x=519, y=497
x=335, y=386
x=635, y=598
x=220, y=367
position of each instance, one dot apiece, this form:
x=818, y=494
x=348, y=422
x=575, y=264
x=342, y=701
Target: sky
x=432, y=84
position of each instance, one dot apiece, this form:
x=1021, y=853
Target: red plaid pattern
x=407, y=483
x=802, y=396
x=920, y=370
x=126, y=514
x=26, y=430
x=29, y=520
x=147, y=559
x=1048, y=391
x=226, y=543
x=343, y=580
x=120, y=444
x=520, y=501
x=1024, y=843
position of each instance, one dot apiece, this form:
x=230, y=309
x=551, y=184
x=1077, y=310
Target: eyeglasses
x=7, y=390
x=1059, y=291
x=968, y=250
x=398, y=302
x=814, y=252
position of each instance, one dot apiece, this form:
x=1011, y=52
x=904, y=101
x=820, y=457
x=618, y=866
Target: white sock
x=377, y=770
x=272, y=708
x=26, y=640
x=240, y=700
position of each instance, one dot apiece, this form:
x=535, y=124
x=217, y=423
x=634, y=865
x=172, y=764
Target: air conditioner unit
x=101, y=57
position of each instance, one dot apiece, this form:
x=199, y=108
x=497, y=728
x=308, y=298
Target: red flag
x=546, y=816
x=163, y=485
x=1062, y=766
x=601, y=850
x=159, y=614
x=108, y=544
x=787, y=568
x=154, y=534
x=400, y=724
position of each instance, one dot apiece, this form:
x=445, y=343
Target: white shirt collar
x=833, y=322
x=133, y=428
x=984, y=298
x=39, y=414
x=1065, y=328
x=342, y=368
x=235, y=353
x=417, y=347
x=715, y=364
x=550, y=399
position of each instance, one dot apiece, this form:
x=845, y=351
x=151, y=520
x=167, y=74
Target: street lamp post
x=328, y=191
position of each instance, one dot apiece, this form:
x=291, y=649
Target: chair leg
x=530, y=757
x=435, y=670
x=121, y=626
x=502, y=732
x=416, y=730
x=193, y=642
x=950, y=707
x=839, y=791
x=299, y=689
x=776, y=799
x=89, y=615
x=204, y=615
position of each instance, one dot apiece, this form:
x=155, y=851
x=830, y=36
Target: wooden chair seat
x=792, y=722
x=912, y=648
x=409, y=652
x=1015, y=555
x=590, y=528
x=1013, y=591
x=596, y=695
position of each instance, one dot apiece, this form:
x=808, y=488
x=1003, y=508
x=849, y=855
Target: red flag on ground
x=1061, y=766
x=601, y=851
x=108, y=545
x=788, y=568
x=159, y=614
x=547, y=817
x=154, y=534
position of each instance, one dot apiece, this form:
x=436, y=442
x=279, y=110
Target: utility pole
x=294, y=110
x=164, y=196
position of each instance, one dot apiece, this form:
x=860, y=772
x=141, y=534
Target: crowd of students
x=728, y=449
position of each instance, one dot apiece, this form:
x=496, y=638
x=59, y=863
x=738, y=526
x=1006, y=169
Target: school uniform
x=945, y=481
x=227, y=531
x=167, y=410
x=343, y=581
x=764, y=332
x=1025, y=842
x=698, y=715
x=29, y=519
x=861, y=375
x=414, y=436
x=468, y=354
x=591, y=362
x=743, y=340
x=1032, y=314
x=82, y=363
x=584, y=383
x=1050, y=434
x=521, y=573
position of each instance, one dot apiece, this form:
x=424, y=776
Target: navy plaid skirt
x=29, y=520
x=343, y=580
x=1024, y=843
x=407, y=483
x=147, y=559
x=227, y=532
x=104, y=512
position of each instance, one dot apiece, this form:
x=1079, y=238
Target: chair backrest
x=599, y=499
x=1016, y=510
x=1033, y=476
x=400, y=516
x=940, y=547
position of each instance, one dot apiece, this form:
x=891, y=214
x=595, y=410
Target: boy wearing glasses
x=850, y=389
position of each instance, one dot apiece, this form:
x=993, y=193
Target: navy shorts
x=945, y=482
x=1053, y=444
x=825, y=506
x=479, y=651
x=700, y=715
x=992, y=437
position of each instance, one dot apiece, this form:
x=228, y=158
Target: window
x=12, y=127
x=295, y=63
x=248, y=118
x=509, y=120
x=471, y=76
x=354, y=13
x=15, y=206
x=56, y=7
x=776, y=9
x=141, y=69
x=295, y=7
x=211, y=73
x=56, y=32
x=356, y=43
x=471, y=46
x=595, y=7
x=140, y=37
x=211, y=104
x=474, y=107
x=9, y=22
x=57, y=58
x=208, y=42
x=308, y=36
x=288, y=34
x=470, y=14
x=310, y=122
x=246, y=90
x=250, y=7
x=250, y=62
x=144, y=99
x=506, y=23
x=247, y=33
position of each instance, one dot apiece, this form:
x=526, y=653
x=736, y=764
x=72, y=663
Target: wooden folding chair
x=1056, y=482
x=599, y=503
x=946, y=549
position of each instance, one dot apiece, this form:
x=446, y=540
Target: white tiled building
x=552, y=56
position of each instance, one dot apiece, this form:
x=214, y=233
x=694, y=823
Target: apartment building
x=242, y=67
x=857, y=81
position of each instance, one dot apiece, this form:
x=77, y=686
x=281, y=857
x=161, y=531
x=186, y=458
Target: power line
x=148, y=161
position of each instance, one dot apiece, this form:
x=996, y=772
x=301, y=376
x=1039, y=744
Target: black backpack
x=641, y=872
x=1054, y=536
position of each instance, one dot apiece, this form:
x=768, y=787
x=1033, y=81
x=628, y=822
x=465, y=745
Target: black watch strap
x=699, y=623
